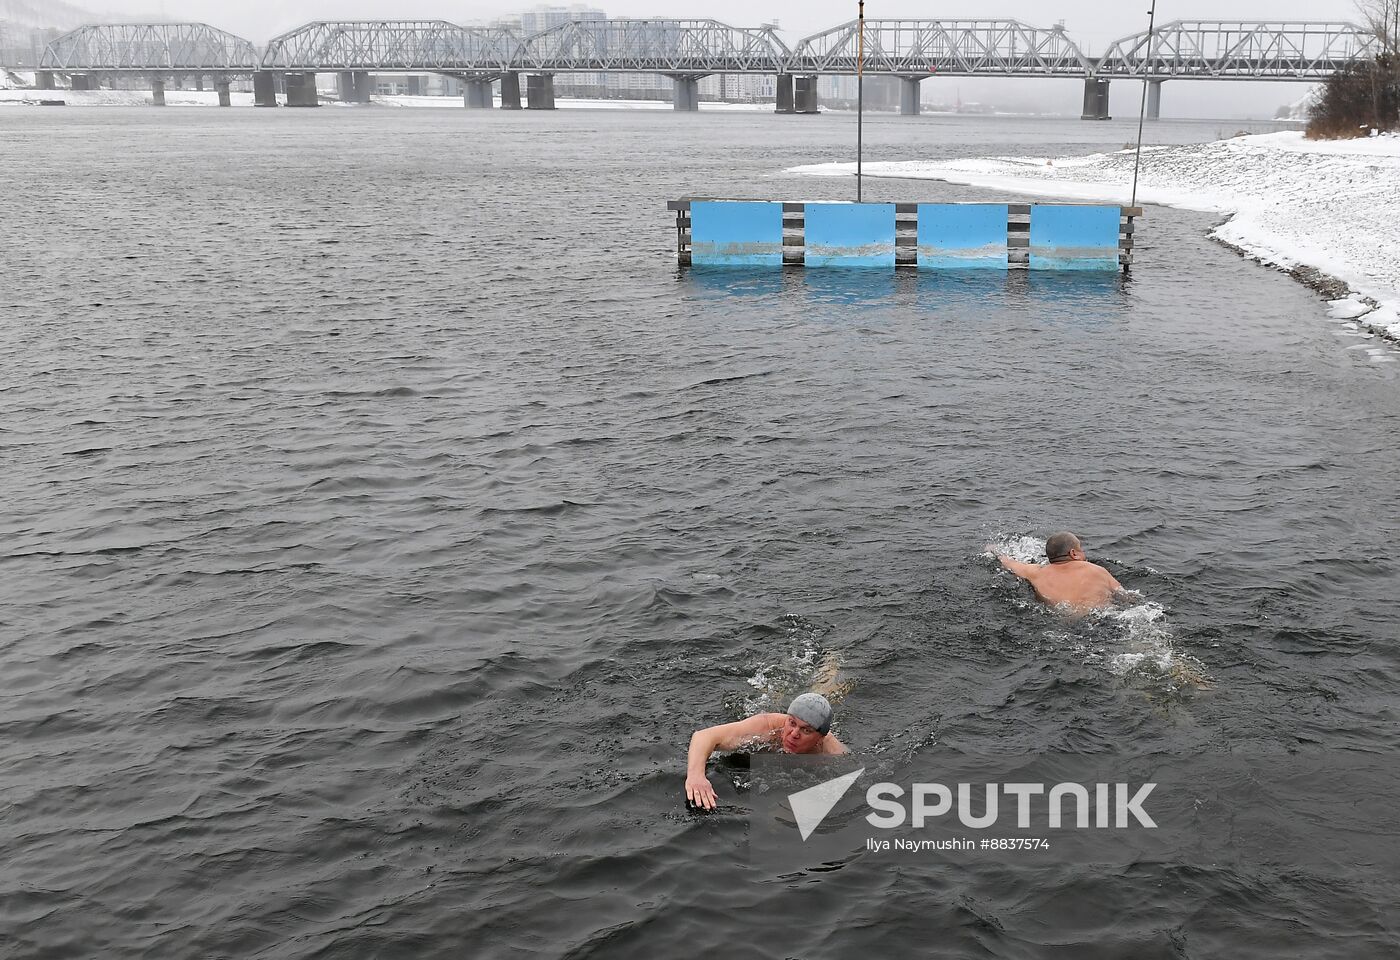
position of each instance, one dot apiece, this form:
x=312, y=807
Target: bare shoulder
x=766, y=724
x=731, y=736
x=832, y=745
x=761, y=723
x=1108, y=578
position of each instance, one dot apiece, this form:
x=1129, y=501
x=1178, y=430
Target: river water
x=382, y=509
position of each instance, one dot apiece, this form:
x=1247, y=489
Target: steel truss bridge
x=146, y=48
x=689, y=49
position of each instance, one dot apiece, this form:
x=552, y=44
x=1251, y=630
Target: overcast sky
x=1093, y=24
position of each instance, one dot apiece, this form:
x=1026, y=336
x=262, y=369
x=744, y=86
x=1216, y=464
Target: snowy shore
x=209, y=98
x=1296, y=204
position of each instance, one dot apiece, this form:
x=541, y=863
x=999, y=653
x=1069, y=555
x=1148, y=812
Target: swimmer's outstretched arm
x=726, y=736
x=1025, y=571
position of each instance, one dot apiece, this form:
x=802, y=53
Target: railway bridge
x=488, y=59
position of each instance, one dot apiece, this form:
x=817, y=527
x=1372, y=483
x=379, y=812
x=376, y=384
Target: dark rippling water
x=382, y=510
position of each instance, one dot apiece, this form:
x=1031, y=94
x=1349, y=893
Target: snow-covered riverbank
x=209, y=98
x=1292, y=203
x=121, y=98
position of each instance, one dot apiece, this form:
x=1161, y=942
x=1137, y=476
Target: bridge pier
x=225, y=98
x=264, y=89
x=43, y=79
x=199, y=84
x=1154, y=99
x=805, y=95
x=352, y=86
x=1095, y=99
x=784, y=99
x=158, y=93
x=476, y=94
x=539, y=91
x=301, y=90
x=909, y=96
x=686, y=95
x=510, y=91
x=85, y=81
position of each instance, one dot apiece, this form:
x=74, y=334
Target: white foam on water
x=1139, y=644
x=777, y=681
x=1022, y=547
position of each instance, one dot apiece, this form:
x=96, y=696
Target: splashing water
x=804, y=666
x=1026, y=548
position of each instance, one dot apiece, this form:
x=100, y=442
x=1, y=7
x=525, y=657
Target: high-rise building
x=541, y=18
x=739, y=87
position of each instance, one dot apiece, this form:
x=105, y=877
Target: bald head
x=1059, y=545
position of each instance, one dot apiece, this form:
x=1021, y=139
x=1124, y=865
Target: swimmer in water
x=1068, y=581
x=803, y=729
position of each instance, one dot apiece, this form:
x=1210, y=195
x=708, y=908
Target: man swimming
x=1068, y=581
x=803, y=729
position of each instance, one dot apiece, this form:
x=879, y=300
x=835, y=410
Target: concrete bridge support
x=784, y=101
x=510, y=91
x=1154, y=99
x=301, y=90
x=804, y=95
x=85, y=81
x=353, y=86
x=199, y=84
x=225, y=99
x=476, y=94
x=264, y=89
x=158, y=93
x=539, y=91
x=686, y=95
x=1095, y=99
x=43, y=79
x=909, y=96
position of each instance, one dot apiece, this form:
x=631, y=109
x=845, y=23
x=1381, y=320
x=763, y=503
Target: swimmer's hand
x=699, y=792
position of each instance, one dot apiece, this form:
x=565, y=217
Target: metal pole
x=1142, y=108
x=860, y=94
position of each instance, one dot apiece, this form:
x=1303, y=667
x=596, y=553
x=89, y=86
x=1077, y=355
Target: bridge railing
x=1281, y=50
x=428, y=45
x=1240, y=50
x=950, y=47
x=149, y=47
x=656, y=46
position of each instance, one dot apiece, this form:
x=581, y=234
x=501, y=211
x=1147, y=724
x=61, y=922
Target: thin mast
x=1142, y=108
x=860, y=94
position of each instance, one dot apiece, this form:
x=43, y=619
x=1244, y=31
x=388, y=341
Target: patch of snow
x=123, y=98
x=210, y=98
x=563, y=103
x=1348, y=308
x=1330, y=205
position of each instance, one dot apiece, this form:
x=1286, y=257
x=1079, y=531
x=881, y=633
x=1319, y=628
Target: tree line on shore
x=1363, y=97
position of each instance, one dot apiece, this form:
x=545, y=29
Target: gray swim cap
x=813, y=710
